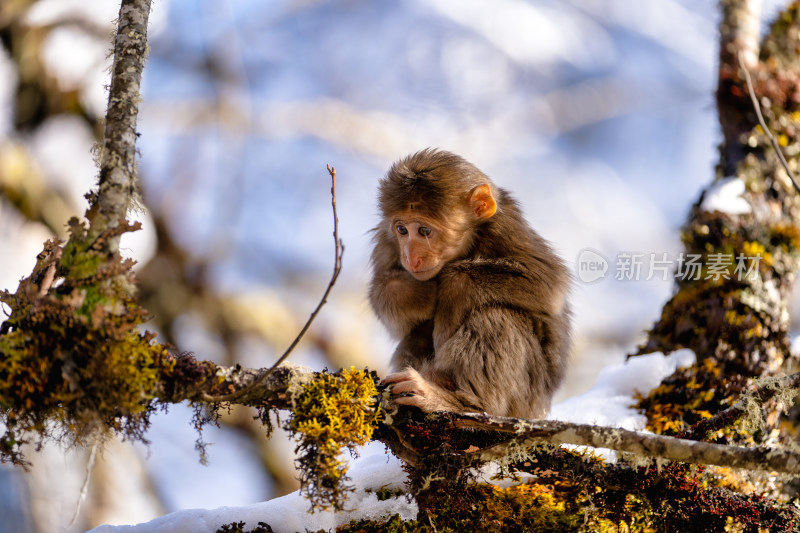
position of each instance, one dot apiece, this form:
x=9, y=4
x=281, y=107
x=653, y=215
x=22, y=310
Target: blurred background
x=598, y=115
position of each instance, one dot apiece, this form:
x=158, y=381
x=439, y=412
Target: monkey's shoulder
x=523, y=267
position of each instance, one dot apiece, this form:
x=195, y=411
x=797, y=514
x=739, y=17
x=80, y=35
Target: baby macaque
x=477, y=299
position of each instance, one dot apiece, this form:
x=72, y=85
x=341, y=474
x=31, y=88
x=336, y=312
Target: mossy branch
x=770, y=387
x=205, y=382
x=210, y=381
x=537, y=432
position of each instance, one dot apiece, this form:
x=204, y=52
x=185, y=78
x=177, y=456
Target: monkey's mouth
x=425, y=274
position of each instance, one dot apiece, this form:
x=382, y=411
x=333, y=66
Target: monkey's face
x=425, y=246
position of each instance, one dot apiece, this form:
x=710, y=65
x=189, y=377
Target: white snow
x=795, y=346
x=607, y=403
x=725, y=196
x=375, y=469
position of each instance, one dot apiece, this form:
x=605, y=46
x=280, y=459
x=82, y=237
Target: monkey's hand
x=409, y=387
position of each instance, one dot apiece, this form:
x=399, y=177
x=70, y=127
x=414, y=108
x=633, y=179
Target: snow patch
x=610, y=401
x=725, y=196
x=374, y=470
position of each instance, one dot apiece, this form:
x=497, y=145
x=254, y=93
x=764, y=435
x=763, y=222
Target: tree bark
x=117, y=158
x=739, y=37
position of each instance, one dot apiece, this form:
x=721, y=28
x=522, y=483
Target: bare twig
x=764, y=126
x=337, y=268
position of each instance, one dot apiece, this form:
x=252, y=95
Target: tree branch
x=337, y=268
x=204, y=381
x=532, y=432
x=739, y=38
x=117, y=158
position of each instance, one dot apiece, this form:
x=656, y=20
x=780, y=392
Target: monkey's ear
x=482, y=202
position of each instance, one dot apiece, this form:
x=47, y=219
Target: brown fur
x=490, y=331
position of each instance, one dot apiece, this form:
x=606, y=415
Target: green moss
x=72, y=353
x=331, y=413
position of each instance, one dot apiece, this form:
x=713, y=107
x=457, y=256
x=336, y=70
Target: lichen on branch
x=330, y=414
x=73, y=360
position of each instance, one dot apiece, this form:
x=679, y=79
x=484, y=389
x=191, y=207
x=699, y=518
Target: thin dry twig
x=85, y=487
x=763, y=124
x=337, y=268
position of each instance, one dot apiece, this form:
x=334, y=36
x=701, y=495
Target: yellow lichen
x=675, y=406
x=332, y=413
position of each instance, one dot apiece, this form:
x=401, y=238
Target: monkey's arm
x=539, y=287
x=400, y=301
x=415, y=348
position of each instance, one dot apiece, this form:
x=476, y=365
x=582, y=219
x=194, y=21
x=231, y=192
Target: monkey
x=476, y=298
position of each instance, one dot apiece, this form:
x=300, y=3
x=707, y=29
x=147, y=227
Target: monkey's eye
x=402, y=230
x=424, y=231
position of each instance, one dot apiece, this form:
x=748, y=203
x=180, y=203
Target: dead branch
x=337, y=268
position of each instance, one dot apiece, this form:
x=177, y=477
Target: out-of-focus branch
x=770, y=387
x=739, y=37
x=739, y=32
x=23, y=186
